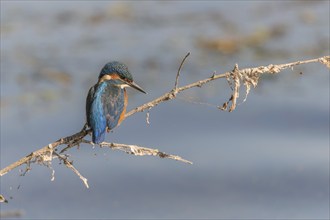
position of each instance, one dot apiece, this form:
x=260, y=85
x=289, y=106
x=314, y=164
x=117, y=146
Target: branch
x=248, y=77
x=44, y=155
x=68, y=164
x=141, y=151
x=179, y=71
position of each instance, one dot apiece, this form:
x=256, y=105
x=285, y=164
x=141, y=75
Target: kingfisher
x=107, y=100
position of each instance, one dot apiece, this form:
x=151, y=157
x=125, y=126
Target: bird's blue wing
x=113, y=100
x=104, y=106
x=95, y=113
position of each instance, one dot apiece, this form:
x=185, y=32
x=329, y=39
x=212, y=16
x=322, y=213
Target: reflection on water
x=267, y=159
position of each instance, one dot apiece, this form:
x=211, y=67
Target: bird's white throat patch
x=123, y=86
x=105, y=78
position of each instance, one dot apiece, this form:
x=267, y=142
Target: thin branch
x=179, y=71
x=237, y=84
x=68, y=164
x=142, y=151
x=247, y=73
x=171, y=95
x=148, y=118
x=43, y=154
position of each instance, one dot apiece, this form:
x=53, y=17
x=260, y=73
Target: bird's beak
x=136, y=86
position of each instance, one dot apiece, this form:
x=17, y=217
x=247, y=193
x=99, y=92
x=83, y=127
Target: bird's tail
x=98, y=136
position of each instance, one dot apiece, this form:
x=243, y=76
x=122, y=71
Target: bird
x=107, y=100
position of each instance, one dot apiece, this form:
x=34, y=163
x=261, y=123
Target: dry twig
x=68, y=164
x=141, y=151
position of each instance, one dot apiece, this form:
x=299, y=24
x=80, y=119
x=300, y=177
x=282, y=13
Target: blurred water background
x=267, y=159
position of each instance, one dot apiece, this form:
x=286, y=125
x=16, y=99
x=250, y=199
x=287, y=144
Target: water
x=267, y=159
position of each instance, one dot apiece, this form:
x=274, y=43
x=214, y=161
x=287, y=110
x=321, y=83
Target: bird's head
x=118, y=71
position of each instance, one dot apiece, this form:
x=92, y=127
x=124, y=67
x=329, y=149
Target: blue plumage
x=116, y=67
x=107, y=100
x=105, y=106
